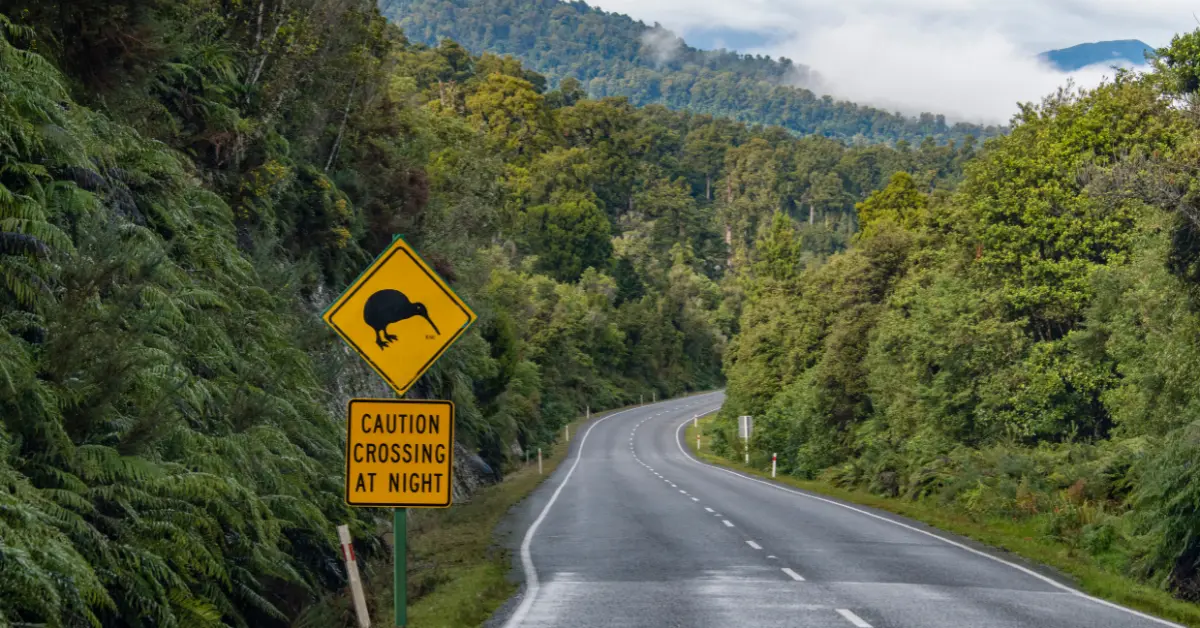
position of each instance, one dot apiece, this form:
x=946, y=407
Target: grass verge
x=1020, y=538
x=457, y=575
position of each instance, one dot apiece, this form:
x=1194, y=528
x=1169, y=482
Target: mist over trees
x=613, y=55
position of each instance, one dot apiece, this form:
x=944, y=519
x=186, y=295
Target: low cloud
x=971, y=60
x=663, y=44
x=973, y=76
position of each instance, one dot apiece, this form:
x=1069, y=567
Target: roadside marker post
x=539, y=460
x=567, y=429
x=400, y=565
x=356, y=589
x=745, y=425
x=400, y=317
x=772, y=465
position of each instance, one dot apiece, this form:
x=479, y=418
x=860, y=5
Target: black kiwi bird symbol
x=391, y=306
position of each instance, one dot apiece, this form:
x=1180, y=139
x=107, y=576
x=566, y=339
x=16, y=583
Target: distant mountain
x=614, y=55
x=1117, y=52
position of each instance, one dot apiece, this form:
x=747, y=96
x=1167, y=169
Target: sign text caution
x=399, y=453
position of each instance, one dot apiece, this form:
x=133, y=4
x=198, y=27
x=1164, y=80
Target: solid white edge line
x=1052, y=582
x=793, y=575
x=852, y=618
x=531, y=577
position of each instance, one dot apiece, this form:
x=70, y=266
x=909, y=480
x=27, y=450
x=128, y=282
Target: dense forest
x=613, y=55
x=184, y=186
x=1026, y=346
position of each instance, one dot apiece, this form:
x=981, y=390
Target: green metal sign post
x=400, y=560
x=395, y=288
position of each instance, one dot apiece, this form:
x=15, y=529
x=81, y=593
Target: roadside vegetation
x=1009, y=330
x=1025, y=538
x=1021, y=351
x=185, y=185
x=458, y=571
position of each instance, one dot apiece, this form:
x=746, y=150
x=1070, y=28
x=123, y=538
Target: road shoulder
x=1011, y=544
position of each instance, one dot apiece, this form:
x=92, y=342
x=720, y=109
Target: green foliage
x=1021, y=347
x=612, y=55
x=900, y=203
x=510, y=112
x=174, y=216
x=1179, y=63
x=165, y=460
x=568, y=237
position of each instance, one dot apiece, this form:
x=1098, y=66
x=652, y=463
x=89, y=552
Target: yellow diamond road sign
x=399, y=316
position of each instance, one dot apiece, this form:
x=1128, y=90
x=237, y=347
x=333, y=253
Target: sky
x=972, y=60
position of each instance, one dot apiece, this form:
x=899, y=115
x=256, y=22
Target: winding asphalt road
x=631, y=530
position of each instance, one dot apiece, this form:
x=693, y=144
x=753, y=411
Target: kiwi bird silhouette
x=391, y=306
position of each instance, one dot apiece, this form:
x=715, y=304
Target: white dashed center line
x=708, y=509
x=852, y=618
x=754, y=545
x=798, y=578
x=728, y=523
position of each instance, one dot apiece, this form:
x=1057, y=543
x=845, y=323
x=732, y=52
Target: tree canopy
x=609, y=54
x=1015, y=347
x=185, y=186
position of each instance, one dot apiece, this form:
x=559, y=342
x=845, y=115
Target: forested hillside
x=613, y=55
x=1026, y=347
x=185, y=185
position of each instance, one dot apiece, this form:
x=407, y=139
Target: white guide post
x=745, y=425
x=772, y=465
x=356, y=588
x=539, y=460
